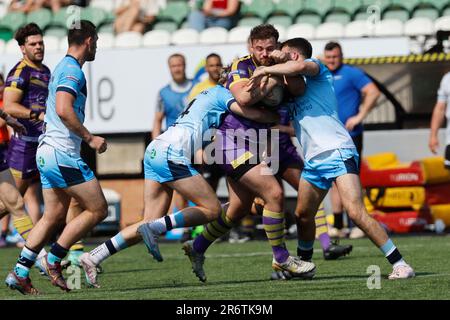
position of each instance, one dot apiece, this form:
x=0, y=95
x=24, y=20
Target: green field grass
x=242, y=271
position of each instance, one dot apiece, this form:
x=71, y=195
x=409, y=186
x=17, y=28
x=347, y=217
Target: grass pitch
x=242, y=271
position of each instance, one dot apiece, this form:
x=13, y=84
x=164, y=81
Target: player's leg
x=13, y=202
x=4, y=225
x=76, y=250
x=265, y=185
x=308, y=201
x=157, y=198
x=56, y=204
x=33, y=200
x=351, y=195
x=240, y=201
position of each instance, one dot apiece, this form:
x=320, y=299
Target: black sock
x=305, y=255
x=4, y=234
x=58, y=252
x=394, y=257
x=338, y=220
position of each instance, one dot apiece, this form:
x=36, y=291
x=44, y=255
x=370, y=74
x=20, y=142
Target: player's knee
x=274, y=196
x=215, y=209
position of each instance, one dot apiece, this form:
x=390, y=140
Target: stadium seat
x=446, y=12
x=2, y=46
x=302, y=30
x=330, y=30
x=156, y=38
x=381, y=4
x=105, y=40
x=239, y=34
x=13, y=20
x=358, y=29
x=106, y=5
x=258, y=8
x=418, y=27
x=281, y=31
x=249, y=21
x=106, y=28
x=430, y=13
x=407, y=4
x=96, y=15
x=389, y=28
x=5, y=34
x=65, y=18
x=284, y=21
x=185, y=37
x=169, y=26
x=128, y=40
x=64, y=45
x=289, y=7
x=42, y=17
x=11, y=47
x=338, y=17
x=396, y=14
x=442, y=23
x=438, y=4
x=51, y=43
x=349, y=6
x=175, y=11
x=213, y=35
x=309, y=18
x=56, y=31
x=321, y=7
x=3, y=9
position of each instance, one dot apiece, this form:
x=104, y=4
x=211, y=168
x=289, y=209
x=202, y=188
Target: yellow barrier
x=441, y=211
x=401, y=197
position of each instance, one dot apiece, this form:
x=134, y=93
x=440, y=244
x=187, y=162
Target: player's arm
x=437, y=119
x=255, y=114
x=11, y=99
x=370, y=94
x=64, y=108
x=290, y=68
x=6, y=119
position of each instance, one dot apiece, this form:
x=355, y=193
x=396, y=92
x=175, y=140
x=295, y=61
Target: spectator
x=214, y=13
x=136, y=15
x=441, y=112
x=26, y=6
x=357, y=96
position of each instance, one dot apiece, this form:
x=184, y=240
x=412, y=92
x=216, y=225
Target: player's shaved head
x=213, y=66
x=176, y=55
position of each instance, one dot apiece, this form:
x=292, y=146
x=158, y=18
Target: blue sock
x=56, y=254
x=167, y=223
x=391, y=252
x=25, y=262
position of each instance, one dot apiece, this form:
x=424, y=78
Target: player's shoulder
x=352, y=70
x=18, y=68
x=446, y=78
x=46, y=69
x=244, y=61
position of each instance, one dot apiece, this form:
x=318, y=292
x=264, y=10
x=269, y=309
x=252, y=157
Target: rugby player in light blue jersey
x=168, y=167
x=63, y=173
x=328, y=151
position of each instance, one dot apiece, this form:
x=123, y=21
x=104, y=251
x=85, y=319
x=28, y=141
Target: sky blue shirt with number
x=67, y=77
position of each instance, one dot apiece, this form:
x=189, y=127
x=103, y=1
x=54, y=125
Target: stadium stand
x=314, y=19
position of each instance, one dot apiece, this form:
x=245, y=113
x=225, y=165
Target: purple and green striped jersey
x=32, y=82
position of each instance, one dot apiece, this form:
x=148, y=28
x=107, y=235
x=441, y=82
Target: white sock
x=41, y=254
x=99, y=254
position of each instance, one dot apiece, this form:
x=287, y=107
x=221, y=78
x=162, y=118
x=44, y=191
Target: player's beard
x=36, y=58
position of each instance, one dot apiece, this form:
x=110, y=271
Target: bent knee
x=274, y=196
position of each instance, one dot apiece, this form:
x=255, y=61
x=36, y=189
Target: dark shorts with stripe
x=22, y=158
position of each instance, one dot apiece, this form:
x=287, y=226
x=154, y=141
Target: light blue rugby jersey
x=67, y=77
x=204, y=113
x=315, y=116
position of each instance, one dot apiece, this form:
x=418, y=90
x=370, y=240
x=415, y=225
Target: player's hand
x=41, y=116
x=352, y=122
x=16, y=125
x=279, y=56
x=433, y=144
x=98, y=143
x=258, y=79
x=282, y=128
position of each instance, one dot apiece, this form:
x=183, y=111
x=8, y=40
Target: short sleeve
x=239, y=72
x=360, y=79
x=18, y=79
x=71, y=81
x=444, y=89
x=226, y=98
